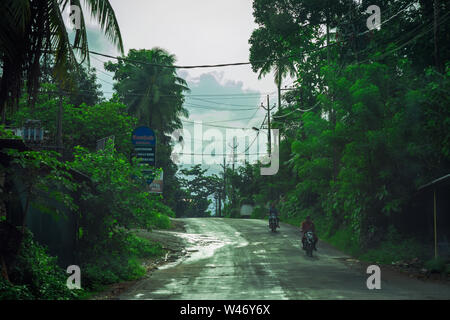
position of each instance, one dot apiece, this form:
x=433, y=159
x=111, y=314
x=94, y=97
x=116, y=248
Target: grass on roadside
x=124, y=266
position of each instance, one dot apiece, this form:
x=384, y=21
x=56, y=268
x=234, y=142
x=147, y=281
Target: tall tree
x=197, y=187
x=31, y=28
x=154, y=95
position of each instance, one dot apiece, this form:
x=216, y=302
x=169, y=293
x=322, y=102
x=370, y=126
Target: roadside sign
x=144, y=141
x=156, y=186
x=101, y=144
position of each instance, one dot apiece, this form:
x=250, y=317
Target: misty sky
x=197, y=32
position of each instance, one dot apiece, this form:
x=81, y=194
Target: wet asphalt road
x=240, y=259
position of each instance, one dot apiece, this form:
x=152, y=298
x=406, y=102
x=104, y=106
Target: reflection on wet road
x=234, y=259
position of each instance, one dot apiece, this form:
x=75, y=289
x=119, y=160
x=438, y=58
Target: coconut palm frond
x=80, y=42
x=102, y=11
x=15, y=17
x=60, y=44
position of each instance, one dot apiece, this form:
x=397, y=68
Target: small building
x=428, y=216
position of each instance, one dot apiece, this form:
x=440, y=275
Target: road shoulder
x=173, y=245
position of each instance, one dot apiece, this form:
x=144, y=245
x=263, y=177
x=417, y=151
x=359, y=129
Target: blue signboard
x=143, y=136
x=144, y=141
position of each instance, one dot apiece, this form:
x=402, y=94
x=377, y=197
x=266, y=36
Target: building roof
x=439, y=181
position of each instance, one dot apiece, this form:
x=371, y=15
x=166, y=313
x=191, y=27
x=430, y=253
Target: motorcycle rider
x=308, y=225
x=274, y=212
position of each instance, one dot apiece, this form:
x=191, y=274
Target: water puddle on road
x=203, y=246
x=200, y=246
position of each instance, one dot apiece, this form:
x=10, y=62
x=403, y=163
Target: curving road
x=240, y=259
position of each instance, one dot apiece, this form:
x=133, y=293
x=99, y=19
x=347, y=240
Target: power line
x=256, y=137
x=425, y=29
x=211, y=65
x=219, y=154
x=297, y=109
x=221, y=103
x=228, y=120
x=217, y=126
x=105, y=82
x=189, y=105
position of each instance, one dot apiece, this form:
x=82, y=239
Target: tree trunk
x=332, y=111
x=27, y=204
x=4, y=270
x=59, y=139
x=279, y=87
x=436, y=35
x=4, y=89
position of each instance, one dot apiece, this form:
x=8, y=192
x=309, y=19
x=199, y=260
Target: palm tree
x=282, y=68
x=267, y=54
x=30, y=29
x=154, y=94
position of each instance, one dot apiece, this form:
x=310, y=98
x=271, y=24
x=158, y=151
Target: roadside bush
x=144, y=248
x=259, y=212
x=122, y=261
x=35, y=275
x=14, y=292
x=344, y=240
x=390, y=251
x=437, y=265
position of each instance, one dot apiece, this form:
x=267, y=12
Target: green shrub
x=259, y=212
x=110, y=269
x=14, y=292
x=35, y=275
x=144, y=248
x=390, y=251
x=119, y=262
x=436, y=265
x=344, y=240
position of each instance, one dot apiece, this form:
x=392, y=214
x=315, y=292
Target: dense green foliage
x=118, y=199
x=196, y=190
x=35, y=275
x=82, y=125
x=121, y=261
x=365, y=126
x=30, y=29
x=109, y=204
x=105, y=190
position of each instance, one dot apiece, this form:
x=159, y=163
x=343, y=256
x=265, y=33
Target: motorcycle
x=309, y=243
x=273, y=223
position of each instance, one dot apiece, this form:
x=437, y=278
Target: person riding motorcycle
x=274, y=212
x=308, y=225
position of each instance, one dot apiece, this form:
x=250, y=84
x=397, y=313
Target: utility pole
x=216, y=198
x=269, y=140
x=224, y=167
x=234, y=147
x=220, y=204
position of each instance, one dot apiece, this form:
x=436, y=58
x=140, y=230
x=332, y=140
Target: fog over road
x=239, y=259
